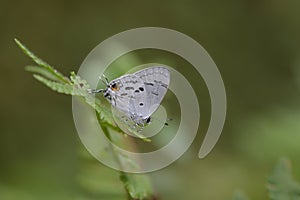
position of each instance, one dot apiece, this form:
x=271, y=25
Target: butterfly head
x=114, y=86
x=111, y=89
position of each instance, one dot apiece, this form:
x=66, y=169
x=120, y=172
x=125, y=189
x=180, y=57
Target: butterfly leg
x=141, y=128
x=125, y=120
x=91, y=91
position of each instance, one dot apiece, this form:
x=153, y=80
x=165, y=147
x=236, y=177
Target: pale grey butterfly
x=137, y=96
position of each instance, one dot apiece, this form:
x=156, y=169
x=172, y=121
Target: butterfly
x=137, y=96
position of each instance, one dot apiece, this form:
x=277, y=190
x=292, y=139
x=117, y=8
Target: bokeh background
x=255, y=44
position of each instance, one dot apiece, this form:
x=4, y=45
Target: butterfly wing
x=156, y=81
x=140, y=94
x=127, y=87
x=131, y=97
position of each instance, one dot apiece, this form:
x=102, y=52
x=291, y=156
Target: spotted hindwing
x=156, y=81
x=140, y=94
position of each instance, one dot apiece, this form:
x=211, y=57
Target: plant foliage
x=137, y=186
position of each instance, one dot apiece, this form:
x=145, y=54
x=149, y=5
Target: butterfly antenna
x=104, y=79
x=92, y=91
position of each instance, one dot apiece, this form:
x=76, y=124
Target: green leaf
x=137, y=185
x=98, y=181
x=240, y=196
x=140, y=136
x=281, y=184
x=58, y=87
x=81, y=89
x=42, y=63
x=42, y=71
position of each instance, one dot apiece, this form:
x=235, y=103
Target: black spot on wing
x=129, y=88
x=148, y=120
x=148, y=83
x=161, y=83
x=164, y=85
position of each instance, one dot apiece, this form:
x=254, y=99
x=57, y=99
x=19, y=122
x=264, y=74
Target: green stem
x=137, y=187
x=107, y=134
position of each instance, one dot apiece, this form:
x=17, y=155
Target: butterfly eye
x=115, y=87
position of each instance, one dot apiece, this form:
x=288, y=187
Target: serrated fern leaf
x=240, y=196
x=42, y=63
x=281, y=184
x=97, y=180
x=42, y=71
x=81, y=89
x=137, y=185
x=58, y=87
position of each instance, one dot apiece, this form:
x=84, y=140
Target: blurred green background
x=255, y=44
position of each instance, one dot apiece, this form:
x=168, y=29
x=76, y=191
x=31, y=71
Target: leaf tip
x=22, y=46
x=18, y=42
